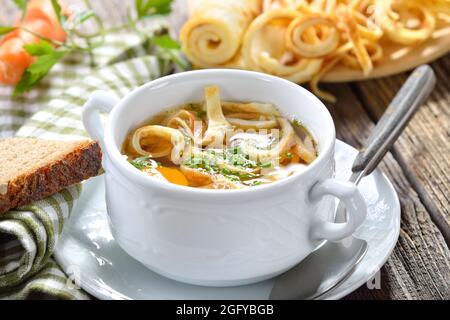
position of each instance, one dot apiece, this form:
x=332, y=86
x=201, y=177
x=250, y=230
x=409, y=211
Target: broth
x=220, y=145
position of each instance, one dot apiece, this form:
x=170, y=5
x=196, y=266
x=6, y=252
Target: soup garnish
x=220, y=145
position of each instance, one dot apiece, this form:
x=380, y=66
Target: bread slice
x=32, y=169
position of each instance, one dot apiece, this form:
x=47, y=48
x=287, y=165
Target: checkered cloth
x=29, y=235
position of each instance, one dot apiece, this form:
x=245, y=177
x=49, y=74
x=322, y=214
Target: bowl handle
x=98, y=101
x=354, y=202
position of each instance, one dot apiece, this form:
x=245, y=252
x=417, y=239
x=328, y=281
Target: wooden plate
x=397, y=59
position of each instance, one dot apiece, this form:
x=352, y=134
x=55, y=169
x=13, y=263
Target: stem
x=101, y=33
x=121, y=27
x=91, y=55
x=177, y=60
x=133, y=25
x=54, y=42
x=73, y=46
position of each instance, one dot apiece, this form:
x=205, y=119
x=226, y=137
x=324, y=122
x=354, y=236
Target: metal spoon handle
x=411, y=96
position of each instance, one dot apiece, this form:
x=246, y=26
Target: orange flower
x=13, y=60
x=43, y=10
x=39, y=18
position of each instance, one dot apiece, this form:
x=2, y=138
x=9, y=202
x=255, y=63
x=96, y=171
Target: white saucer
x=107, y=272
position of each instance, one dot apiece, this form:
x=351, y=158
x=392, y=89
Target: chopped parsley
x=201, y=114
x=233, y=164
x=197, y=108
x=266, y=165
x=297, y=123
x=143, y=163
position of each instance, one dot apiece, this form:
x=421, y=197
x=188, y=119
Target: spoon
x=327, y=267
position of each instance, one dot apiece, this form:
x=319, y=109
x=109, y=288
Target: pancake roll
x=213, y=34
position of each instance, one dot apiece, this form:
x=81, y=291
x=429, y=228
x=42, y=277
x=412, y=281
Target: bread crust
x=82, y=163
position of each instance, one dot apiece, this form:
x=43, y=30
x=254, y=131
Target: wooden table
x=418, y=166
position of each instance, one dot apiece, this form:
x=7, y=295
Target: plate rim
x=335, y=294
x=339, y=295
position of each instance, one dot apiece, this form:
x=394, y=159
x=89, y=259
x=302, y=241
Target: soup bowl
x=220, y=237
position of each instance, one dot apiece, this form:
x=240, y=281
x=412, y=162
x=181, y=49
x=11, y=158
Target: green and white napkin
x=28, y=235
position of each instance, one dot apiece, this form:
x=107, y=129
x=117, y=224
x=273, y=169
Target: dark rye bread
x=32, y=169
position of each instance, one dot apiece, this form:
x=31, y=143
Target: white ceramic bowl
x=213, y=237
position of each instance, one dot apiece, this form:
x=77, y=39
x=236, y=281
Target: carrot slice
x=173, y=175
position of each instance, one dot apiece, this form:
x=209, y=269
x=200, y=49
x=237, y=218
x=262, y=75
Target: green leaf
x=38, y=70
x=22, y=5
x=139, y=4
x=166, y=42
x=146, y=8
x=57, y=8
x=5, y=29
x=169, y=49
x=39, y=49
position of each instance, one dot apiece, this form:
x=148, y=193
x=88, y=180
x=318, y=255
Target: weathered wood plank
x=112, y=12
x=423, y=151
x=419, y=267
